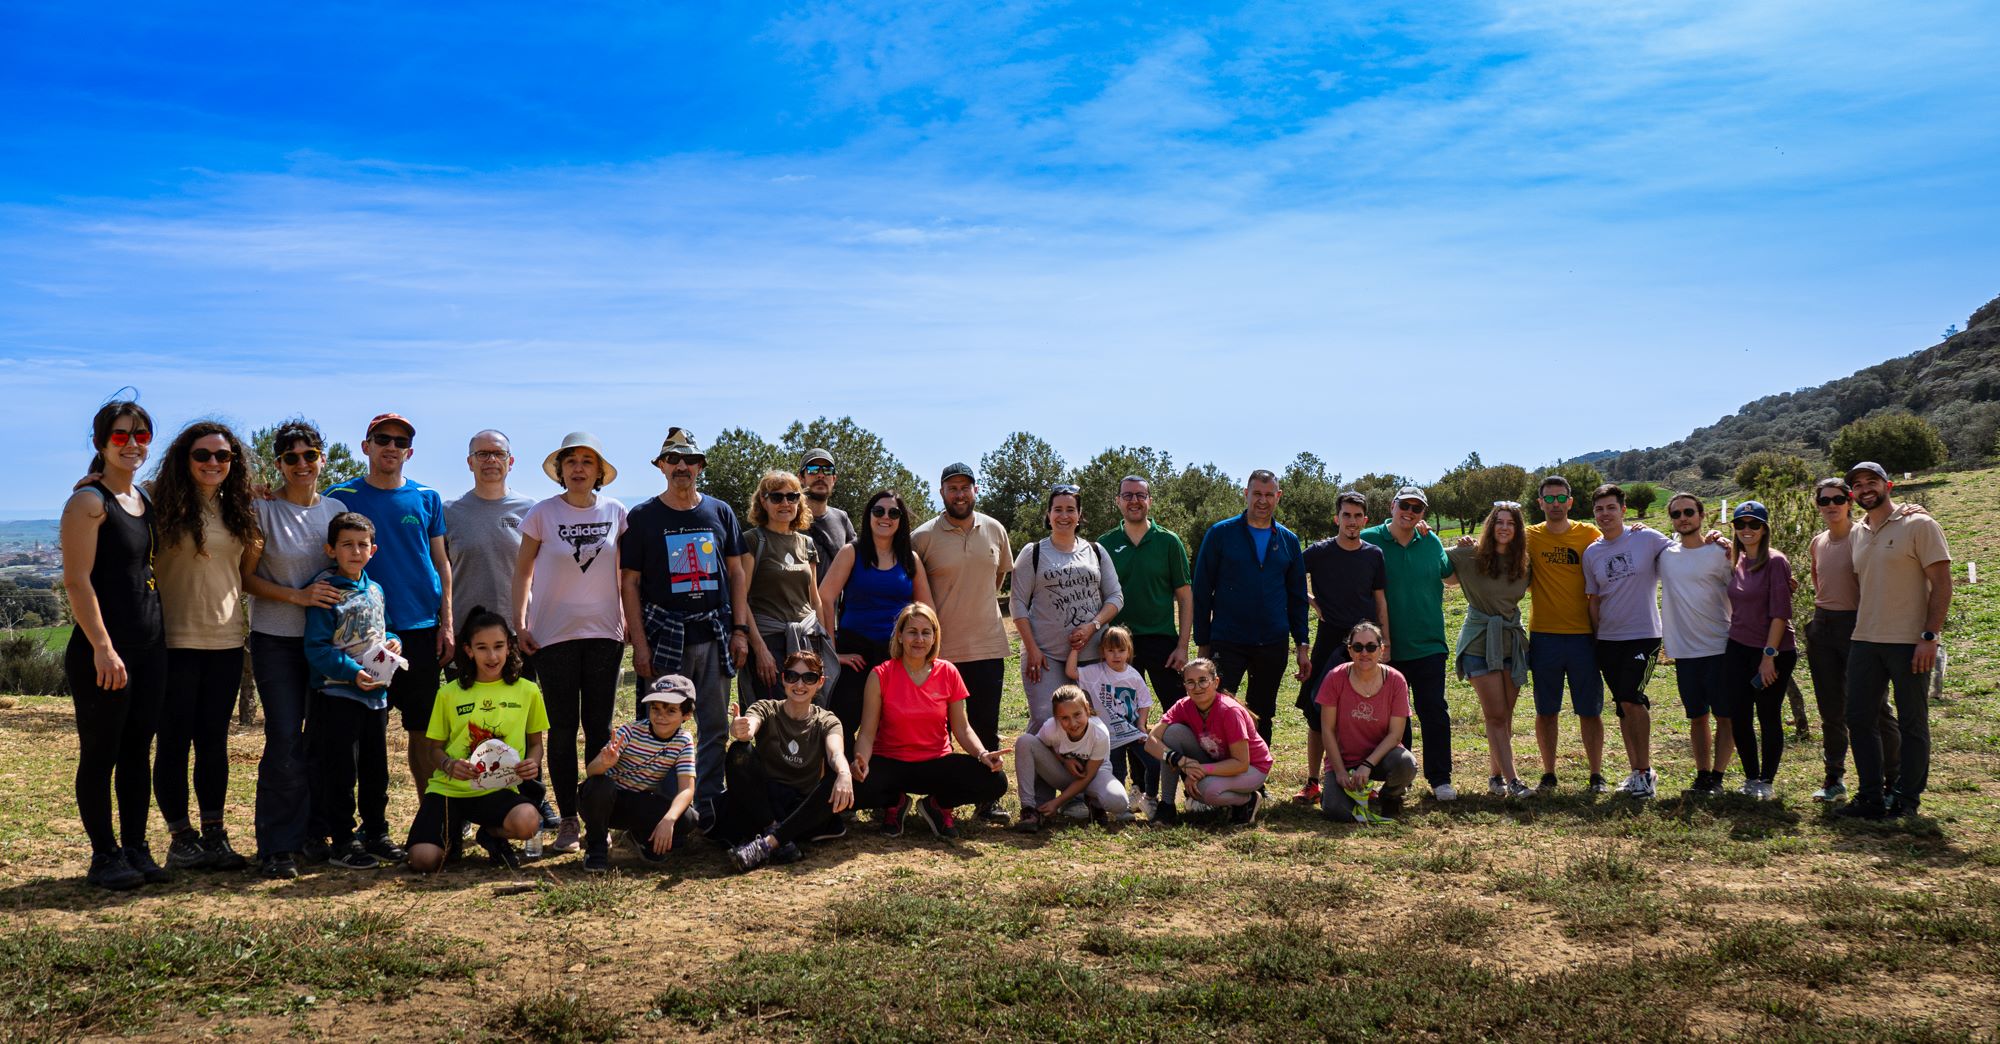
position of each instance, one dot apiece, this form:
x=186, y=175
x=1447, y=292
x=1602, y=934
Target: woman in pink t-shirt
x=911, y=710
x=1365, y=705
x=1210, y=741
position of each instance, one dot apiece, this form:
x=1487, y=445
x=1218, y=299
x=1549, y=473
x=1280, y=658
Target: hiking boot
x=598, y=859
x=569, y=837
x=989, y=812
x=278, y=866
x=382, y=847
x=944, y=821
x=1833, y=790
x=1308, y=795
x=1597, y=783
x=833, y=829
x=184, y=852
x=750, y=854
x=215, y=841
x=351, y=856
x=893, y=816
x=1030, y=821
x=140, y=859
x=499, y=850
x=111, y=871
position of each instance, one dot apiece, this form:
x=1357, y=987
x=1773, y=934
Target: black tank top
x=122, y=576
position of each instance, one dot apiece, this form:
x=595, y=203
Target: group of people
x=868, y=662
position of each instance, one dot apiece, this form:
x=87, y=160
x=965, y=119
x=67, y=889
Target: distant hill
x=1954, y=384
x=28, y=531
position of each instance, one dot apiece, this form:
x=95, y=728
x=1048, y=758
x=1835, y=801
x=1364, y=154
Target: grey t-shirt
x=831, y=530
x=1694, y=600
x=1062, y=591
x=294, y=553
x=1624, y=574
x=482, y=537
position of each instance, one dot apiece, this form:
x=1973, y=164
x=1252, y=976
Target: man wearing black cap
x=1904, y=569
x=967, y=556
x=831, y=528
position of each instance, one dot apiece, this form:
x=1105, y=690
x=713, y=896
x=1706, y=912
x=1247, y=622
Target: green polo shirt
x=1415, y=592
x=1150, y=571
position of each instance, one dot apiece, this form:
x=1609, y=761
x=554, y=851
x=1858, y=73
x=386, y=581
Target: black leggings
x=755, y=805
x=579, y=680
x=606, y=806
x=848, y=690
x=1766, y=706
x=953, y=779
x=200, y=694
x=114, y=732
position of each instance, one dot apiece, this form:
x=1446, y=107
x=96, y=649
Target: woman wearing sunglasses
x=788, y=775
x=1762, y=651
x=1065, y=594
x=1492, y=648
x=871, y=580
x=207, y=523
x=278, y=573
x=1364, y=706
x=782, y=597
x=116, y=660
x=567, y=614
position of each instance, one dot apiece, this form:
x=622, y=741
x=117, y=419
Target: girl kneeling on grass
x=492, y=701
x=1209, y=742
x=788, y=776
x=1069, y=752
x=1363, y=708
x=912, y=708
x=642, y=782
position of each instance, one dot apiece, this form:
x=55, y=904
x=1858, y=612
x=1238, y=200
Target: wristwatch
x=1928, y=636
x=740, y=628
x=1769, y=651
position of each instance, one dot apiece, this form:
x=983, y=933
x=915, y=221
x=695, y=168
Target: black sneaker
x=1164, y=815
x=598, y=859
x=215, y=841
x=184, y=852
x=383, y=847
x=789, y=852
x=1548, y=782
x=551, y=819
x=1862, y=808
x=500, y=851
x=109, y=870
x=1598, y=784
x=351, y=856
x=991, y=812
x=455, y=851
x=278, y=866
x=942, y=821
x=833, y=829
x=893, y=816
x=750, y=854
x=138, y=858
x=1246, y=813
x=315, y=852
x=644, y=846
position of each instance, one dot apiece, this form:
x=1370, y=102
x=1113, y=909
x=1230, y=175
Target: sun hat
x=576, y=440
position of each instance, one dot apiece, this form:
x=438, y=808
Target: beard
x=957, y=511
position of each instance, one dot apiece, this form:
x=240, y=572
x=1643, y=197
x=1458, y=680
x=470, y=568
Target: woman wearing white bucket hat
x=568, y=614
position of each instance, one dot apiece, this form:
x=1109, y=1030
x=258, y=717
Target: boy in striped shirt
x=642, y=781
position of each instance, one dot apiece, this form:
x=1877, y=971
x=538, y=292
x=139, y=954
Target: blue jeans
x=1131, y=763
x=284, y=777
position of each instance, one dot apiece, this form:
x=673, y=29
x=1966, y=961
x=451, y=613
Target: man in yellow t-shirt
x=1561, y=645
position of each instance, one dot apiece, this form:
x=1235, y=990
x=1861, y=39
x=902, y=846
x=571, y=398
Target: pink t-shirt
x=1226, y=722
x=575, y=590
x=916, y=720
x=1360, y=722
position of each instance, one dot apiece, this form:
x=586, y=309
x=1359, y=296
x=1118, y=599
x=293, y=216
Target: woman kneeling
x=913, y=707
x=1363, y=708
x=1210, y=742
x=627, y=786
x=788, y=778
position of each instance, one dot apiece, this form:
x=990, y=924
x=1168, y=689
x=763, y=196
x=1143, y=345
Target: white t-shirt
x=1094, y=746
x=575, y=590
x=294, y=553
x=1119, y=696
x=1694, y=600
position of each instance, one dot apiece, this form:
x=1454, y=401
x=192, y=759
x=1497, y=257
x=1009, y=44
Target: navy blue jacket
x=1237, y=598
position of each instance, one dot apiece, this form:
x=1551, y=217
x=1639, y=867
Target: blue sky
x=1385, y=234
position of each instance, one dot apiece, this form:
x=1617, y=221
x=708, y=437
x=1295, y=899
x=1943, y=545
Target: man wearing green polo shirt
x=1417, y=572
x=1152, y=567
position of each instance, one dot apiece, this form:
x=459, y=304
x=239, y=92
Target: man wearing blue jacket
x=1249, y=598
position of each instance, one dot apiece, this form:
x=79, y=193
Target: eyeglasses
x=120, y=438
x=695, y=459
x=801, y=677
x=1684, y=513
x=491, y=456
x=820, y=469
x=1135, y=496
x=1747, y=523
x=776, y=497
x=1837, y=498
x=1555, y=498
x=1064, y=488
x=1367, y=647
x=202, y=455
x=1412, y=506
x=294, y=458
x=886, y=511
x=1198, y=681
x=398, y=441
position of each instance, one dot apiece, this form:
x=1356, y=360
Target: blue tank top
x=872, y=598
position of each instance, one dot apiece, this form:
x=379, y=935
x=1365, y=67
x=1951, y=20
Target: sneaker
x=893, y=816
x=1642, y=785
x=569, y=837
x=1076, y=809
x=1030, y=821
x=1519, y=791
x=455, y=852
x=1496, y=786
x=643, y=846
x=110, y=871
x=1862, y=808
x=184, y=852
x=598, y=859
x=1246, y=813
x=351, y=856
x=551, y=819
x=1308, y=795
x=1148, y=805
x=750, y=854
x=1834, y=790
x=1765, y=791
x=943, y=821
x=1383, y=810
x=1634, y=783
x=989, y=812
x=1197, y=807
x=215, y=841
x=1163, y=815
x=1548, y=782
x=1749, y=789
x=1902, y=808
x=833, y=829
x=789, y=852
x=499, y=850
x=383, y=847
x=1124, y=817
x=1597, y=783
x=278, y=866
x=1444, y=792
x=138, y=858
x=315, y=852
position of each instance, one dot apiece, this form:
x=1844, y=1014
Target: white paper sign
x=495, y=761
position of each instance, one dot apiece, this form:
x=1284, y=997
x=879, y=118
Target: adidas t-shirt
x=465, y=718
x=792, y=752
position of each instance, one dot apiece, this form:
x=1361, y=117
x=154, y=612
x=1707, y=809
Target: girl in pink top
x=1211, y=742
x=911, y=710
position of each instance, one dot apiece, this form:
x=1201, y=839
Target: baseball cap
x=816, y=453
x=1870, y=466
x=953, y=470
x=670, y=689
x=1752, y=509
x=1413, y=493
x=390, y=418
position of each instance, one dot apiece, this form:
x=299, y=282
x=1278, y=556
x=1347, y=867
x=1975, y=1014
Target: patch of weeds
x=1104, y=891
x=1284, y=896
x=1457, y=925
x=579, y=895
x=913, y=918
x=560, y=1016
x=1951, y=927
x=1446, y=858
x=1606, y=867
x=1754, y=943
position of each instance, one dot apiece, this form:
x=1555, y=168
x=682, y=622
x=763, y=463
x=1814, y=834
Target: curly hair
x=1490, y=558
x=178, y=501
x=777, y=479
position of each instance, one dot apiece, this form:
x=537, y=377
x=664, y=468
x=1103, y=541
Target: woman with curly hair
x=207, y=525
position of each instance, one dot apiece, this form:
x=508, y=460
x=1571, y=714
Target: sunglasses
x=1509, y=505
x=1065, y=488
x=820, y=469
x=1747, y=523
x=695, y=459
x=886, y=511
x=1837, y=498
x=776, y=497
x=1367, y=647
x=1411, y=506
x=1685, y=513
x=398, y=441
x=202, y=455
x=120, y=438
x=1555, y=498
x=294, y=458
x=801, y=677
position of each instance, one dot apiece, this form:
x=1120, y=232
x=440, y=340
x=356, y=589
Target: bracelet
x=1369, y=765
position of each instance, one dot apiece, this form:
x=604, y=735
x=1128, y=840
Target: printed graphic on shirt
x=1363, y=711
x=1560, y=555
x=586, y=541
x=1211, y=745
x=1123, y=701
x=693, y=566
x=356, y=618
x=1620, y=566
x=1075, y=592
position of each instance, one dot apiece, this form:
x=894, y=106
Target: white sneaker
x=1750, y=790
x=1496, y=786
x=1076, y=809
x=1444, y=792
x=1765, y=791
x=1148, y=805
x=1519, y=791
x=1123, y=817
x=1194, y=807
x=1638, y=785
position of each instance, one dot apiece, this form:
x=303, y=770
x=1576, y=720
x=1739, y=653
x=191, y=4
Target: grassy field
x=1572, y=917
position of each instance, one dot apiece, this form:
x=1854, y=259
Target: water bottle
x=534, y=845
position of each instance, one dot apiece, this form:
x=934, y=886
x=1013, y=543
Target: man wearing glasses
x=681, y=556
x=1152, y=567
x=1249, y=596
x=966, y=556
x=831, y=528
x=483, y=530
x=1694, y=616
x=1417, y=569
x=1560, y=643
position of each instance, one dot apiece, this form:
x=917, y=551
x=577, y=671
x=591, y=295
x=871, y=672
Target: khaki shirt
x=965, y=567
x=1889, y=560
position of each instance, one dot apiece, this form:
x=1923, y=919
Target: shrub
x=28, y=667
x=1897, y=441
x=1639, y=496
x=1770, y=469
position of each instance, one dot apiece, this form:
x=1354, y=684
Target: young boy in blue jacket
x=349, y=707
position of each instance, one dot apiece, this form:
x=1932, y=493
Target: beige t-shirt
x=201, y=593
x=965, y=567
x=1834, y=585
x=1889, y=561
